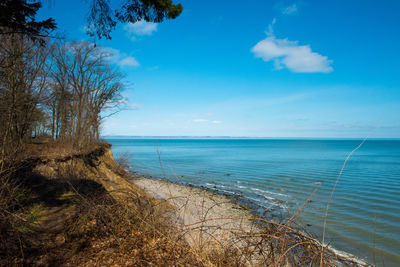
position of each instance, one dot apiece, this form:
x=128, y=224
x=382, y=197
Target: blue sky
x=256, y=68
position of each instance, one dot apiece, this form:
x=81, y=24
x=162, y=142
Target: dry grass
x=134, y=232
x=14, y=220
x=73, y=220
x=50, y=149
x=123, y=167
x=81, y=223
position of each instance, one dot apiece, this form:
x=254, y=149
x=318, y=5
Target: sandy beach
x=210, y=220
x=205, y=217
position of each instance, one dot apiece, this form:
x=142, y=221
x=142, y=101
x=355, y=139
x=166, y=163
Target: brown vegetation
x=59, y=90
x=79, y=210
x=72, y=219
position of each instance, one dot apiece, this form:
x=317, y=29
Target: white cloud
x=292, y=9
x=200, y=120
x=115, y=56
x=126, y=103
x=123, y=102
x=136, y=105
x=140, y=28
x=271, y=27
x=289, y=54
x=128, y=61
x=205, y=120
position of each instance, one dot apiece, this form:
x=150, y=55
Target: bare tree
x=63, y=90
x=84, y=85
x=24, y=71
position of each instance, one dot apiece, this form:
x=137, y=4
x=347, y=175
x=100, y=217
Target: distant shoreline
x=248, y=138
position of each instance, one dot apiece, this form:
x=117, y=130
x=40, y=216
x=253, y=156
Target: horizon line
x=240, y=137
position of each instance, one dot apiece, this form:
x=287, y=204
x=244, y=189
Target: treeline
x=57, y=89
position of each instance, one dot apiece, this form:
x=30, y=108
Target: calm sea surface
x=276, y=175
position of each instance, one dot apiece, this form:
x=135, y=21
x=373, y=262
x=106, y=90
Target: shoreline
x=207, y=219
x=179, y=195
x=237, y=199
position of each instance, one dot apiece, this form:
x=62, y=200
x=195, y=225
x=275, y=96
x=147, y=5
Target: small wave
x=267, y=197
x=268, y=205
x=314, y=183
x=242, y=187
x=215, y=185
x=348, y=255
x=227, y=191
x=262, y=191
x=268, y=192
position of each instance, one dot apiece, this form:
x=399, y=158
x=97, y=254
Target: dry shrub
x=15, y=221
x=50, y=149
x=275, y=244
x=123, y=166
x=134, y=231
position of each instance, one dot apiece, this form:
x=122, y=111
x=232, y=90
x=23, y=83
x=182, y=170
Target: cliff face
x=79, y=209
x=97, y=165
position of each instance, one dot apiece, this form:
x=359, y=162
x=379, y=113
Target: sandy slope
x=207, y=218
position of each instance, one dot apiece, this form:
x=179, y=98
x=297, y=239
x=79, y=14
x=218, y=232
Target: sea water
x=276, y=176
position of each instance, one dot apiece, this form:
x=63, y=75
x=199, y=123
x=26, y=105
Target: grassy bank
x=65, y=207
